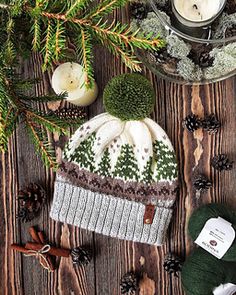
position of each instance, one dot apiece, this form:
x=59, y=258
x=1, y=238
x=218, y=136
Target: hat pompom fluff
x=129, y=97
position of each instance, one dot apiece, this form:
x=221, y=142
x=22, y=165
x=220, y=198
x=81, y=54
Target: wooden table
x=113, y=258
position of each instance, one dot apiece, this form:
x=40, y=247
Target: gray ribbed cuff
x=107, y=215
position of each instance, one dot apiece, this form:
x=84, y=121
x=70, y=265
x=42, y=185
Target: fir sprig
x=54, y=24
x=15, y=107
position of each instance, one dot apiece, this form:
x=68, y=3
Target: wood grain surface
x=112, y=258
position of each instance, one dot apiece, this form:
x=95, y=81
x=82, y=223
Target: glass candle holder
x=193, y=20
x=180, y=62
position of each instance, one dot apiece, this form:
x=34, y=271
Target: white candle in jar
x=198, y=10
x=70, y=77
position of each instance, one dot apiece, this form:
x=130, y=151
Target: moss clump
x=224, y=61
x=188, y=70
x=226, y=21
x=129, y=97
x=151, y=25
x=177, y=47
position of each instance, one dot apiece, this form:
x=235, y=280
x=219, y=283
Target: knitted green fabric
x=202, y=273
x=129, y=97
x=200, y=217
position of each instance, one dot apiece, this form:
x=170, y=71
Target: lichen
x=152, y=25
x=177, y=47
x=224, y=61
x=226, y=21
x=188, y=70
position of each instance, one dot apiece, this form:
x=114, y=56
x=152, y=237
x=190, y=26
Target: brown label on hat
x=149, y=214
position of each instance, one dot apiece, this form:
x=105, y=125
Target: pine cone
x=173, y=264
x=192, y=123
x=25, y=215
x=138, y=10
x=70, y=113
x=205, y=60
x=129, y=283
x=81, y=256
x=230, y=32
x=31, y=199
x=161, y=55
x=202, y=183
x=230, y=6
x=200, y=55
x=211, y=123
x=221, y=162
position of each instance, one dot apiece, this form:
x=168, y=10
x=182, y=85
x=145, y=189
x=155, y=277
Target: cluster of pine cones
x=210, y=123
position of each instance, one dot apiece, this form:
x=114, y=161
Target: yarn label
x=216, y=237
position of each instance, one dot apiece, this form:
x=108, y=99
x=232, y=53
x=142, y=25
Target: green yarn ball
x=203, y=214
x=202, y=273
x=129, y=97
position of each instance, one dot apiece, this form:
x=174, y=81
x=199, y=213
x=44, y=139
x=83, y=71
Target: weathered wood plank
x=112, y=258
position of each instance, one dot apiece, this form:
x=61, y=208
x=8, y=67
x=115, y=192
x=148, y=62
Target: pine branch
x=86, y=55
x=52, y=123
x=21, y=86
x=47, y=50
x=36, y=30
x=123, y=35
x=43, y=148
x=127, y=57
x=76, y=7
x=60, y=40
x=106, y=7
x=45, y=98
x=8, y=127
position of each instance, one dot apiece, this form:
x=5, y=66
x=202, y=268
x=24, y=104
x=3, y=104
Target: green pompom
x=129, y=97
x=203, y=214
x=202, y=273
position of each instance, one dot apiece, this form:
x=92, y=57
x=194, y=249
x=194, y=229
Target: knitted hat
x=119, y=172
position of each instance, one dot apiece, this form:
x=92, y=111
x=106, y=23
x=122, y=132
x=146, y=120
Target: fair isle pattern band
x=108, y=215
x=155, y=193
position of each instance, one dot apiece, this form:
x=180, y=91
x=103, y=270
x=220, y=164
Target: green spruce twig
x=54, y=24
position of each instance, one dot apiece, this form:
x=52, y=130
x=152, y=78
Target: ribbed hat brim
x=107, y=215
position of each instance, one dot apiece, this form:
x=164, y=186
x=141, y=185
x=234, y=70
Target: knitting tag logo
x=216, y=237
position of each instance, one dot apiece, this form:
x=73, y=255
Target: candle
x=198, y=10
x=70, y=77
x=193, y=17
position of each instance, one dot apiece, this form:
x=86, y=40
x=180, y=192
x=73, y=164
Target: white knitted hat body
x=118, y=178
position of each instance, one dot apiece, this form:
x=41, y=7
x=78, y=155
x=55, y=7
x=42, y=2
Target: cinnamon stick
x=49, y=259
x=19, y=248
x=34, y=234
x=53, y=251
x=37, y=238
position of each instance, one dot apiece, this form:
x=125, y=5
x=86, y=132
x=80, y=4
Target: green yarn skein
x=202, y=273
x=203, y=214
x=129, y=97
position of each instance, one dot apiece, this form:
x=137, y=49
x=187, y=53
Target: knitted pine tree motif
x=84, y=154
x=104, y=166
x=126, y=166
x=166, y=163
x=147, y=175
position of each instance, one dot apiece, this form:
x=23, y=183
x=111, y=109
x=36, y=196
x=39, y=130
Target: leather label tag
x=149, y=214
